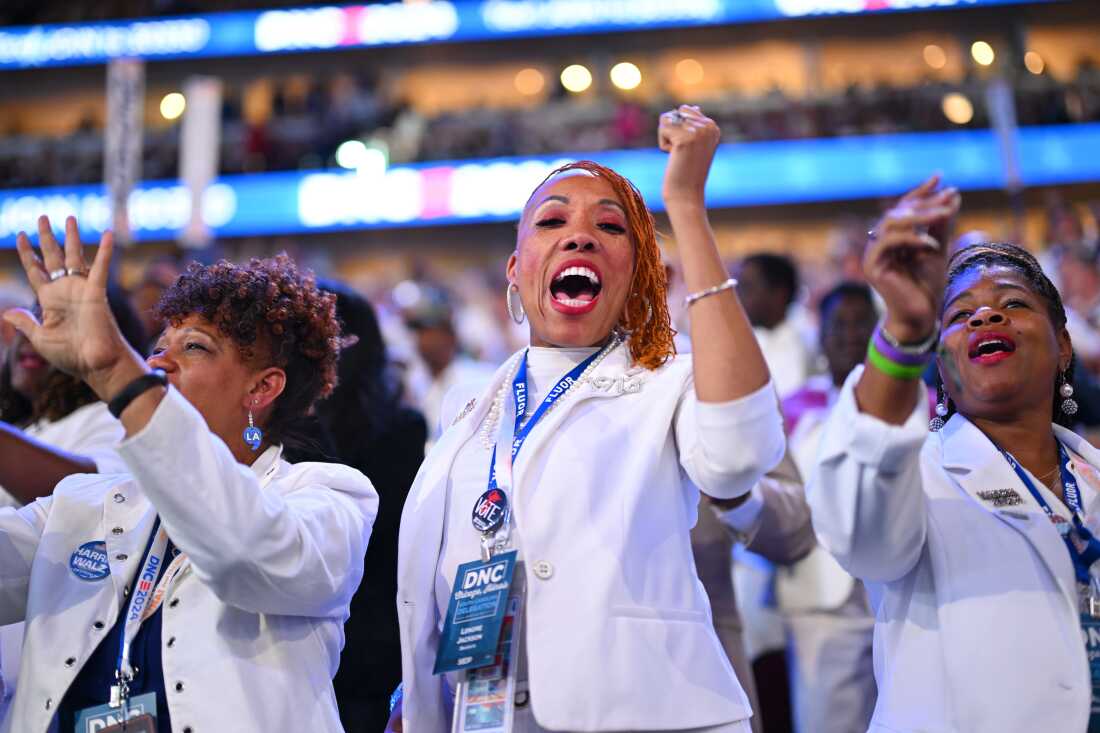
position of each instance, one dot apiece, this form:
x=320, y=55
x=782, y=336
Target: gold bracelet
x=727, y=285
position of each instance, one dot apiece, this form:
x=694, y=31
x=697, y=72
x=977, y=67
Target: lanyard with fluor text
x=492, y=514
x=1089, y=551
x=519, y=393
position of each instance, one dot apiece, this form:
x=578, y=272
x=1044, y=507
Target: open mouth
x=989, y=348
x=575, y=288
x=30, y=360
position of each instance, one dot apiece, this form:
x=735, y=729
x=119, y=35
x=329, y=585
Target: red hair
x=645, y=317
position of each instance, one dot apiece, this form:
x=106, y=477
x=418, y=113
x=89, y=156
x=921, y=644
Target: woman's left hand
x=77, y=333
x=690, y=138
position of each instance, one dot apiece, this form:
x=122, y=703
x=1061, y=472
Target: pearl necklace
x=492, y=418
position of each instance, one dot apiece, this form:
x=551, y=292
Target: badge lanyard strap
x=523, y=429
x=146, y=587
x=1082, y=559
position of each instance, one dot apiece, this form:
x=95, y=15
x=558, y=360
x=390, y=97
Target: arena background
x=393, y=144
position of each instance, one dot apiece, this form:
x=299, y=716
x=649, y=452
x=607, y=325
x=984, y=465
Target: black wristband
x=155, y=378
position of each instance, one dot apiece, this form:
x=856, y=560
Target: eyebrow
x=565, y=200
x=998, y=286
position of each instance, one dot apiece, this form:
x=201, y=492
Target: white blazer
x=619, y=633
x=817, y=582
x=977, y=627
x=252, y=630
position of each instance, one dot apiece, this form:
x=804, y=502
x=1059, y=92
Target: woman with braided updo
x=580, y=467
x=207, y=589
x=978, y=541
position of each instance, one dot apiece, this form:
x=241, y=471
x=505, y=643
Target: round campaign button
x=89, y=561
x=490, y=510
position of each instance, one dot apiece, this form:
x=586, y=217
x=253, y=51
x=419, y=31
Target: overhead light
x=982, y=52
x=934, y=56
x=626, y=75
x=689, y=71
x=576, y=78
x=529, y=82
x=172, y=105
x=957, y=108
x=1034, y=62
x=366, y=158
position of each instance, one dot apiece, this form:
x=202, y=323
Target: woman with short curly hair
x=208, y=589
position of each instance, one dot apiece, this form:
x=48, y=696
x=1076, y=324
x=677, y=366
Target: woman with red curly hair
x=578, y=471
x=207, y=588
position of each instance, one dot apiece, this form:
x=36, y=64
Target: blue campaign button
x=89, y=561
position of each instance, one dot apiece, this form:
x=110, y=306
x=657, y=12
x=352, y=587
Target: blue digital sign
x=356, y=26
x=438, y=193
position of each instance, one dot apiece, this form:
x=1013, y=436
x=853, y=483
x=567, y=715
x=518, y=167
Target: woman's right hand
x=906, y=261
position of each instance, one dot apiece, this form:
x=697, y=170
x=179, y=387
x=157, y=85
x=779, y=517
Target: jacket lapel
x=421, y=533
x=964, y=447
x=615, y=376
x=134, y=515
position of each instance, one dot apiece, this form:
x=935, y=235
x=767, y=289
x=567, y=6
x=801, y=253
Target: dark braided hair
x=1019, y=259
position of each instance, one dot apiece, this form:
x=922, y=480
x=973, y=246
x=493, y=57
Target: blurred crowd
x=311, y=116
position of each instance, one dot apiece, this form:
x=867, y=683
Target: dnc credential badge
x=475, y=614
x=89, y=561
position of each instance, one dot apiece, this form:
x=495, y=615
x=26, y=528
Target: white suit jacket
x=619, y=633
x=817, y=582
x=977, y=626
x=252, y=630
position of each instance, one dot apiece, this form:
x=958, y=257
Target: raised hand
x=77, y=332
x=906, y=261
x=690, y=138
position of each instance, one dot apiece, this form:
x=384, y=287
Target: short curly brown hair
x=276, y=316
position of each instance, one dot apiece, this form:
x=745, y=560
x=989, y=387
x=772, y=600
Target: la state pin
x=490, y=510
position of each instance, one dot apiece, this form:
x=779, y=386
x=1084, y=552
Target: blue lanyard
x=1084, y=557
x=151, y=565
x=519, y=393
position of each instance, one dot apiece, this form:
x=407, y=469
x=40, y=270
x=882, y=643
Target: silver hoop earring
x=512, y=308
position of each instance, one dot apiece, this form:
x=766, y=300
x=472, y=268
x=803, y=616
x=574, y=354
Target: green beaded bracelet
x=890, y=367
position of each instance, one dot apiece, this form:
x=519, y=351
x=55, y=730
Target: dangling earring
x=253, y=436
x=1069, y=405
x=937, y=423
x=511, y=307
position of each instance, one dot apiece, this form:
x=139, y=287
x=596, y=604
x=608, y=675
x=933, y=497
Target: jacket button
x=173, y=603
x=121, y=557
x=117, y=530
x=544, y=570
x=171, y=642
x=125, y=591
x=70, y=661
x=188, y=729
x=49, y=703
x=98, y=625
x=179, y=687
x=119, y=498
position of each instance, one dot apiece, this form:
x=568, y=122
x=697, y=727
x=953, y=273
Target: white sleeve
x=743, y=519
x=726, y=447
x=96, y=434
x=297, y=552
x=20, y=532
x=866, y=493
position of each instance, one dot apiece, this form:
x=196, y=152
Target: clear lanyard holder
x=485, y=698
